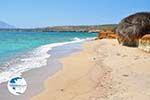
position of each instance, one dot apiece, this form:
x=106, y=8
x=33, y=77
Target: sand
x=104, y=70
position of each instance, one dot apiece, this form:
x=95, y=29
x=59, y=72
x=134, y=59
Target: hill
x=4, y=25
x=81, y=28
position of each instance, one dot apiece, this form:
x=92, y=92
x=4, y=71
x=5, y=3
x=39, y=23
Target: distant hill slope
x=4, y=25
x=81, y=28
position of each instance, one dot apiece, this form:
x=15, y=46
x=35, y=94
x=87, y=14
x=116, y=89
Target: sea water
x=23, y=51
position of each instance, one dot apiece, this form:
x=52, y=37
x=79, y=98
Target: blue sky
x=41, y=13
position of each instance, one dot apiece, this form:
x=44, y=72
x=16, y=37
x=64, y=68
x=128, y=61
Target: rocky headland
x=132, y=31
x=107, y=34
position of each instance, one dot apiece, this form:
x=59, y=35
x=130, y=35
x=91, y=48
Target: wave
x=76, y=39
x=33, y=59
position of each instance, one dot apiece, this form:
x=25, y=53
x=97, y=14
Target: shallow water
x=23, y=51
x=36, y=78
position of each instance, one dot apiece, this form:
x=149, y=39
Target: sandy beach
x=104, y=70
x=74, y=50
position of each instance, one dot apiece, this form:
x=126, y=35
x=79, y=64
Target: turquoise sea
x=20, y=50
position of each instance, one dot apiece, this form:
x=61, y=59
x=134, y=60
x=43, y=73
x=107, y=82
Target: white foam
x=76, y=39
x=36, y=58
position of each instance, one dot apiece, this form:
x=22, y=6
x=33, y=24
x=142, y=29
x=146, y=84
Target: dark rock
x=61, y=90
x=125, y=75
x=133, y=27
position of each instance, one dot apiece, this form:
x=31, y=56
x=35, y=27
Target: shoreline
x=104, y=70
x=33, y=57
x=67, y=75
x=35, y=77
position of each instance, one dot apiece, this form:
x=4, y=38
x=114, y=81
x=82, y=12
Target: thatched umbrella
x=133, y=27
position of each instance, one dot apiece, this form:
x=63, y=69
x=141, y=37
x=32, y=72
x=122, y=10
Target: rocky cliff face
x=144, y=43
x=107, y=34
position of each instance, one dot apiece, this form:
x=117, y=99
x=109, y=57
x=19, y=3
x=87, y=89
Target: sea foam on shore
x=33, y=59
